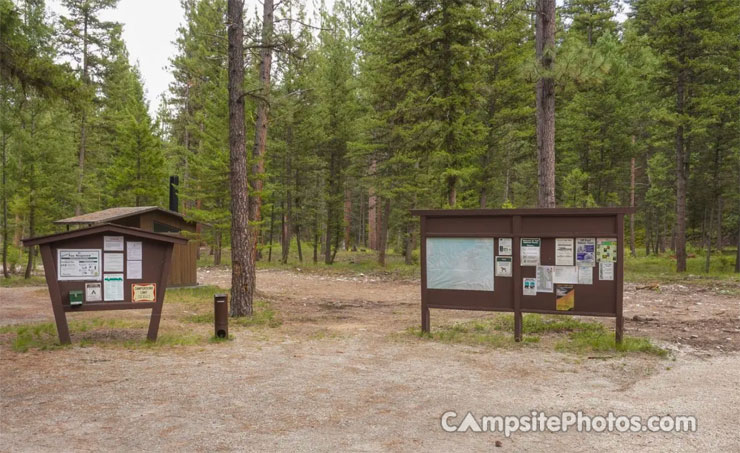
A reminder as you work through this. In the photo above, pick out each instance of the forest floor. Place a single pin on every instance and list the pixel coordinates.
(336, 363)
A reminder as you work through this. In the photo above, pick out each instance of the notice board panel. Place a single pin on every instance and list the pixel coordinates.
(587, 296)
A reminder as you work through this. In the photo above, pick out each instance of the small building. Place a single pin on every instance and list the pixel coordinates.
(183, 270)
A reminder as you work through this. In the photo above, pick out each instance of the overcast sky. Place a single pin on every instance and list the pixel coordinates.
(149, 30)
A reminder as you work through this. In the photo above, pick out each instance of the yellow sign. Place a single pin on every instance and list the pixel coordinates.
(565, 297)
(144, 292)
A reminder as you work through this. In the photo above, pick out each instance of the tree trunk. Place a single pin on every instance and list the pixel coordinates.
(83, 120)
(6, 272)
(242, 255)
(217, 249)
(708, 239)
(632, 205)
(410, 242)
(383, 239)
(31, 225)
(372, 211)
(272, 227)
(263, 106)
(545, 102)
(347, 218)
(682, 175)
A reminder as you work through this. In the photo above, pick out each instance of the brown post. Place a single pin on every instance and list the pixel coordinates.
(56, 296)
(620, 277)
(425, 322)
(516, 226)
(157, 309)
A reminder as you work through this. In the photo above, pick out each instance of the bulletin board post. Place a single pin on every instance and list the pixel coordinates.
(591, 284)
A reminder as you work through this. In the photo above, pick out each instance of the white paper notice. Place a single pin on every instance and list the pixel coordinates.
(529, 252)
(566, 274)
(504, 266)
(133, 270)
(544, 279)
(93, 292)
(585, 275)
(133, 250)
(79, 264)
(112, 287)
(504, 246)
(586, 251)
(606, 270)
(530, 287)
(563, 252)
(113, 243)
(112, 262)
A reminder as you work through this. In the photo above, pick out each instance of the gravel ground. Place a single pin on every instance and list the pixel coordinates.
(359, 387)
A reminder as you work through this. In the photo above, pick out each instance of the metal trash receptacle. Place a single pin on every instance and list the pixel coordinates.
(221, 315)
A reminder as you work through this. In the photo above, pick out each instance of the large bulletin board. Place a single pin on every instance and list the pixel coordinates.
(551, 261)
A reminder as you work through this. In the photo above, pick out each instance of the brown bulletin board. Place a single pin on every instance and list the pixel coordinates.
(601, 298)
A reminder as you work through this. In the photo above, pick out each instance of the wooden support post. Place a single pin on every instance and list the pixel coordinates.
(620, 278)
(60, 317)
(516, 227)
(425, 322)
(157, 310)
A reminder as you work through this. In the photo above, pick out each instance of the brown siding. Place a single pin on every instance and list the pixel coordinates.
(184, 266)
(183, 270)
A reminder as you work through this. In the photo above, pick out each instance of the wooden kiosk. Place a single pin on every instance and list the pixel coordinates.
(106, 267)
(550, 261)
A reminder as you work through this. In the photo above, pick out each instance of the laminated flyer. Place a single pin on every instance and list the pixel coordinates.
(112, 287)
(504, 246)
(586, 251)
(565, 297)
(544, 279)
(529, 252)
(606, 270)
(564, 252)
(530, 287)
(504, 266)
(606, 249)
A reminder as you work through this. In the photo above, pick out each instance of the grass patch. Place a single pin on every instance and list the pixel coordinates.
(602, 341)
(263, 315)
(199, 296)
(582, 336)
(43, 336)
(17, 281)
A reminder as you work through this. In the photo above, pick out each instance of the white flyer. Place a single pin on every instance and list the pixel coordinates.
(134, 250)
(586, 251)
(112, 287)
(606, 270)
(544, 279)
(563, 252)
(504, 246)
(585, 275)
(93, 292)
(78, 264)
(504, 266)
(113, 243)
(529, 252)
(112, 262)
(133, 270)
(565, 274)
(530, 287)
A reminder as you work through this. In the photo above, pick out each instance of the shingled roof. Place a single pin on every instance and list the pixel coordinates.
(108, 215)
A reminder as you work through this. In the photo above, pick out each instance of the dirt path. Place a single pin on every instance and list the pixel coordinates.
(359, 387)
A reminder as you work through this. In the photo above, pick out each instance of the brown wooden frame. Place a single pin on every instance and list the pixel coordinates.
(546, 224)
(47, 243)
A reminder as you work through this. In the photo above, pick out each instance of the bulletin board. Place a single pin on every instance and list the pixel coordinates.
(551, 261)
(106, 267)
